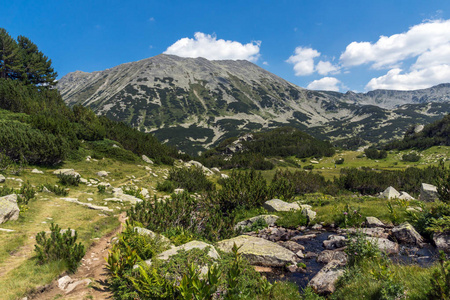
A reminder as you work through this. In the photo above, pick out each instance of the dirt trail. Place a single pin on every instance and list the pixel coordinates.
(93, 267)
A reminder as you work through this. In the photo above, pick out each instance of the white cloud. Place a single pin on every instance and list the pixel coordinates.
(325, 67)
(391, 51)
(209, 47)
(395, 79)
(326, 84)
(265, 63)
(303, 60)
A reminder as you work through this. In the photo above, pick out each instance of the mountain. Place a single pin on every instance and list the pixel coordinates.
(195, 103)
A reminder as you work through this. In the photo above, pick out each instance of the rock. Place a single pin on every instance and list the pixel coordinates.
(428, 193)
(189, 246)
(373, 222)
(385, 245)
(72, 232)
(414, 209)
(442, 241)
(406, 233)
(118, 193)
(115, 146)
(304, 237)
(310, 214)
(70, 172)
(224, 176)
(9, 210)
(83, 180)
(314, 162)
(405, 196)
(390, 193)
(259, 251)
(334, 241)
(215, 170)
(63, 282)
(2, 178)
(102, 174)
(419, 128)
(178, 191)
(293, 246)
(36, 171)
(375, 232)
(329, 255)
(280, 205)
(317, 227)
(147, 160)
(325, 280)
(270, 220)
(147, 232)
(300, 254)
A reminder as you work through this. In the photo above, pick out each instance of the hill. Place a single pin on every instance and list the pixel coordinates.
(194, 103)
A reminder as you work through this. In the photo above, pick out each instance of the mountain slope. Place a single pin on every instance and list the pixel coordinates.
(194, 103)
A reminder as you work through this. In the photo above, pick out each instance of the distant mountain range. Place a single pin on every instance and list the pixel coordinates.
(194, 103)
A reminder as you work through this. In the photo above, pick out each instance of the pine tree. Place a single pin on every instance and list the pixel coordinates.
(37, 68)
(10, 66)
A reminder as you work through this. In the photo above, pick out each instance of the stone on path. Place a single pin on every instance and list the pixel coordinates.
(324, 281)
(259, 251)
(9, 210)
(280, 205)
(428, 193)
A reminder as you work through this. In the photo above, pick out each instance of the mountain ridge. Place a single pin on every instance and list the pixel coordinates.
(194, 103)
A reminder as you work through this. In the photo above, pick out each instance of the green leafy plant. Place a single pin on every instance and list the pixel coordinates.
(359, 248)
(101, 189)
(391, 288)
(59, 245)
(67, 179)
(440, 281)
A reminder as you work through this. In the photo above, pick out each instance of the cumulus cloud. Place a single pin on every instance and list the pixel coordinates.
(325, 84)
(209, 47)
(392, 50)
(303, 60)
(396, 79)
(325, 67)
(428, 43)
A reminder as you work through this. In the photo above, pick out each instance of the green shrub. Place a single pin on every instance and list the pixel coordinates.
(165, 186)
(134, 191)
(101, 189)
(58, 190)
(59, 246)
(411, 157)
(292, 219)
(26, 193)
(259, 224)
(67, 179)
(440, 281)
(359, 248)
(191, 179)
(308, 167)
(373, 153)
(339, 161)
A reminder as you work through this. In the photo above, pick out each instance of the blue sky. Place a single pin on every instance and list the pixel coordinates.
(332, 44)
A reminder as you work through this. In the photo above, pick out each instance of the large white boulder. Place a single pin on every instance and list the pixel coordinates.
(280, 205)
(428, 193)
(259, 251)
(390, 193)
(9, 210)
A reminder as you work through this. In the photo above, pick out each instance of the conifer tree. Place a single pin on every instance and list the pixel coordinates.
(10, 65)
(37, 68)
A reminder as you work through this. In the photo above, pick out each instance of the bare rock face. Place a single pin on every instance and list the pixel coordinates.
(324, 281)
(9, 210)
(428, 193)
(407, 234)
